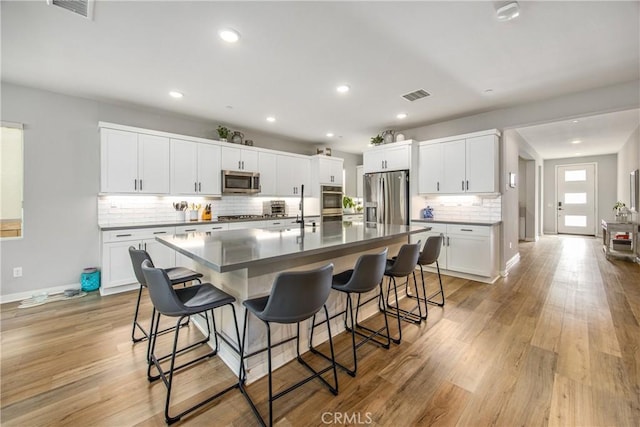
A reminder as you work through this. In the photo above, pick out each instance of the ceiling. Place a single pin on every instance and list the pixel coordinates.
(292, 55)
(597, 134)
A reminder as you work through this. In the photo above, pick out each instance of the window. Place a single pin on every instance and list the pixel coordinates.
(575, 221)
(575, 198)
(577, 175)
(11, 181)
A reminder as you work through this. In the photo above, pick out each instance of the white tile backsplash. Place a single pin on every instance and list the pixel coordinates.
(125, 210)
(465, 208)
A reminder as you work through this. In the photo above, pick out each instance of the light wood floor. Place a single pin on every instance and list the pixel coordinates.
(557, 342)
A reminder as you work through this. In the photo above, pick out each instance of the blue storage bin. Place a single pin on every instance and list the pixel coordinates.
(90, 279)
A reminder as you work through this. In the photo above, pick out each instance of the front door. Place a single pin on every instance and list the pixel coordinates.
(576, 204)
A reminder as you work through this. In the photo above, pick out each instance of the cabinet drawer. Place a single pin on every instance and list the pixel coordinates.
(435, 228)
(198, 228)
(471, 230)
(135, 234)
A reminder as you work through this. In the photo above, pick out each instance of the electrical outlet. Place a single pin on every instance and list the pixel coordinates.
(17, 272)
(510, 245)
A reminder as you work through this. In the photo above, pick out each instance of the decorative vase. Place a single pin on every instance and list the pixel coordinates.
(387, 136)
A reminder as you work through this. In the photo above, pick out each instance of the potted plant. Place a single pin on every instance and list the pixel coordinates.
(377, 140)
(348, 204)
(621, 211)
(223, 132)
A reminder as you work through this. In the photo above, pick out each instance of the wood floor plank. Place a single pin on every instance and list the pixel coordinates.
(556, 342)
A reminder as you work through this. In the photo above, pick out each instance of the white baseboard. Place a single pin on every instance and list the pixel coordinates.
(513, 261)
(19, 296)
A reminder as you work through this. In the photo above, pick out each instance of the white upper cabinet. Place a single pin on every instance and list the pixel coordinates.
(293, 172)
(462, 164)
(329, 170)
(268, 168)
(133, 163)
(388, 157)
(195, 168)
(239, 159)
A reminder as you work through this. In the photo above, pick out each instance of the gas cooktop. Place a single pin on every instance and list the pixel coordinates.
(240, 217)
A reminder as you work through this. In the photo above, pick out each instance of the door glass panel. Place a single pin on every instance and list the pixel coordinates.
(575, 221)
(575, 198)
(575, 175)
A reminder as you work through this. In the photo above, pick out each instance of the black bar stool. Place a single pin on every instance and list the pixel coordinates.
(177, 275)
(295, 296)
(182, 303)
(402, 265)
(365, 277)
(428, 256)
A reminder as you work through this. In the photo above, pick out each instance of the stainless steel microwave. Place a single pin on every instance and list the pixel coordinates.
(237, 182)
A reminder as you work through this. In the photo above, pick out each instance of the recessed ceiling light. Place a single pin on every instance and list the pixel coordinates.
(577, 141)
(229, 35)
(508, 12)
(402, 116)
(271, 119)
(329, 135)
(576, 121)
(343, 88)
(578, 154)
(176, 94)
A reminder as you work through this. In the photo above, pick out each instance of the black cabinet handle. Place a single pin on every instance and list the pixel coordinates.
(467, 185)
(462, 185)
(190, 229)
(200, 187)
(123, 235)
(140, 185)
(438, 186)
(465, 229)
(195, 187)
(135, 184)
(159, 232)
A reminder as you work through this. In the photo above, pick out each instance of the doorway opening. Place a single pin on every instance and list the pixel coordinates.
(576, 199)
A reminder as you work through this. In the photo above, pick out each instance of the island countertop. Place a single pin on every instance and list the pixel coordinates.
(237, 249)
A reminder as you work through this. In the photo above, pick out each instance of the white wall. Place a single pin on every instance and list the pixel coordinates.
(606, 188)
(61, 180)
(628, 161)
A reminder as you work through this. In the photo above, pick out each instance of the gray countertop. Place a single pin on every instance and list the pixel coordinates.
(237, 249)
(179, 223)
(457, 221)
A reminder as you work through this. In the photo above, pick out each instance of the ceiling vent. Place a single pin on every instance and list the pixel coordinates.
(81, 7)
(418, 94)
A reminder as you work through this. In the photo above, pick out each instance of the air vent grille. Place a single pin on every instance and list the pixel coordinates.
(418, 94)
(81, 7)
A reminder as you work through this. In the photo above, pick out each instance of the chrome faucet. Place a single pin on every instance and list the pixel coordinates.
(300, 219)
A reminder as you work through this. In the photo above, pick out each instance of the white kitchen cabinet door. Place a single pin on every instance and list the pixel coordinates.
(293, 172)
(267, 166)
(430, 177)
(330, 171)
(184, 167)
(359, 181)
(470, 250)
(453, 168)
(398, 158)
(239, 159)
(153, 164)
(119, 161)
(209, 172)
(116, 264)
(482, 164)
(161, 255)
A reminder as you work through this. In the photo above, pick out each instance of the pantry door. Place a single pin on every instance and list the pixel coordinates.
(576, 198)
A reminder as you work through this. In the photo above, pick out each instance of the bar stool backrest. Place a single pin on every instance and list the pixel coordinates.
(431, 250)
(406, 260)
(162, 295)
(138, 256)
(298, 295)
(368, 272)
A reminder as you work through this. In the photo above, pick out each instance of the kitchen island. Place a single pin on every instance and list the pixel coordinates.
(244, 263)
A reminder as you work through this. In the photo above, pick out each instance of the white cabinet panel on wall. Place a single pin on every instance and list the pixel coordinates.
(329, 170)
(430, 173)
(482, 164)
(268, 168)
(453, 161)
(195, 168)
(239, 159)
(389, 157)
(470, 249)
(293, 172)
(133, 163)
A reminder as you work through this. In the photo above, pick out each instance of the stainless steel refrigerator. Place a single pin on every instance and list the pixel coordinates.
(386, 197)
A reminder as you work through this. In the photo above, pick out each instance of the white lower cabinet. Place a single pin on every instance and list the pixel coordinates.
(116, 262)
(468, 249)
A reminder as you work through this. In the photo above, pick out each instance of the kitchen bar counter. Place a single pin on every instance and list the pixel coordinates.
(244, 263)
(458, 221)
(237, 249)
